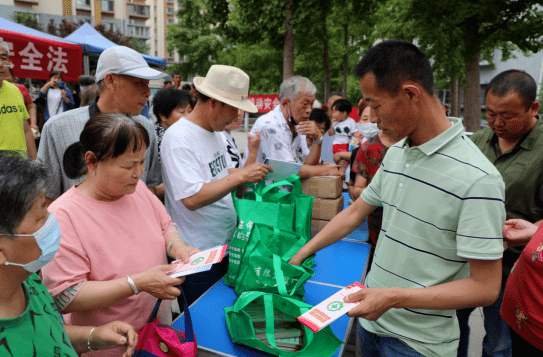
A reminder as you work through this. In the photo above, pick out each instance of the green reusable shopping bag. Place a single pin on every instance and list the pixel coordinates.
(276, 207)
(240, 325)
(236, 249)
(264, 263)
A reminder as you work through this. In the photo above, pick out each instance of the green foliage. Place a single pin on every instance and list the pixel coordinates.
(27, 19)
(195, 38)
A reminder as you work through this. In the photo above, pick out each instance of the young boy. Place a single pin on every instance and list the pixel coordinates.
(322, 120)
(343, 128)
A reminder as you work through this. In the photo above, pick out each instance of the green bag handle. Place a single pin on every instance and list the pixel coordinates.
(250, 185)
(270, 320)
(280, 278)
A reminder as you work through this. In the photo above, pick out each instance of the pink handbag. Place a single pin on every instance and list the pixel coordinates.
(156, 339)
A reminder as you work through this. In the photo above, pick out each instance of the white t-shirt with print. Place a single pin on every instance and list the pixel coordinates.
(233, 157)
(192, 156)
(344, 130)
(276, 139)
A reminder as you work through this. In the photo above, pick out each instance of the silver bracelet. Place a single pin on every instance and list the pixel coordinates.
(170, 245)
(88, 340)
(132, 285)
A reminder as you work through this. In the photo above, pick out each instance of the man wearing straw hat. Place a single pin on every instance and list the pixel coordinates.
(196, 178)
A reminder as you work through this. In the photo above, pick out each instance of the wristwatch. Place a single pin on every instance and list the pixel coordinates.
(318, 141)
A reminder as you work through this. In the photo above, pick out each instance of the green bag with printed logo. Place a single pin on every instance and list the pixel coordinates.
(244, 325)
(276, 206)
(263, 265)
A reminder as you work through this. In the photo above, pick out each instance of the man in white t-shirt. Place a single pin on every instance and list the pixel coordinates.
(283, 131)
(197, 180)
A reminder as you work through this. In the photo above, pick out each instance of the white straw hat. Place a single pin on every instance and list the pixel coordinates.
(125, 61)
(228, 85)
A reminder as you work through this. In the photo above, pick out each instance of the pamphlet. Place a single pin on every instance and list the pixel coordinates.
(330, 309)
(281, 169)
(199, 262)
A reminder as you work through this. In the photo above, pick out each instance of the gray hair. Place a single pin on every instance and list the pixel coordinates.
(4, 46)
(335, 94)
(21, 183)
(291, 88)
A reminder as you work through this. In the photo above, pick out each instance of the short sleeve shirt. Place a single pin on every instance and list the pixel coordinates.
(39, 331)
(233, 157)
(192, 157)
(276, 141)
(26, 96)
(344, 130)
(443, 204)
(13, 113)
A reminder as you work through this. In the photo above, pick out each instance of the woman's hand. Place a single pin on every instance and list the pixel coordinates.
(115, 334)
(155, 282)
(517, 232)
(180, 250)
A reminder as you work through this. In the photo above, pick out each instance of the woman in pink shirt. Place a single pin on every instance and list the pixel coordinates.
(115, 232)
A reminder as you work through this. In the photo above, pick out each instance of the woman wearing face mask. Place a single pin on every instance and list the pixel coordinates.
(30, 324)
(366, 164)
(115, 233)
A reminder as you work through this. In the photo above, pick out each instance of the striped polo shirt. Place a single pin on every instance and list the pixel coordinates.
(443, 203)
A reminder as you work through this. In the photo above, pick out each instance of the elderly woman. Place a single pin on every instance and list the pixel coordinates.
(30, 324)
(112, 258)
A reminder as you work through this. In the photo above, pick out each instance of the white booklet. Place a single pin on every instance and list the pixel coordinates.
(199, 262)
(281, 169)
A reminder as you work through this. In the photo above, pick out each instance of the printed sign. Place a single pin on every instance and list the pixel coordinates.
(265, 102)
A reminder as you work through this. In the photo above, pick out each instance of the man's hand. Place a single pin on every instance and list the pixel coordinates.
(373, 302)
(517, 232)
(254, 142)
(115, 334)
(310, 129)
(254, 172)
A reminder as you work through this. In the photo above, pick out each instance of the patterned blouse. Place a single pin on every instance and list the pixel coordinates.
(159, 135)
(366, 163)
(522, 308)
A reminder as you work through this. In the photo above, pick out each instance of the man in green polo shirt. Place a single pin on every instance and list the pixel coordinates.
(440, 245)
(513, 142)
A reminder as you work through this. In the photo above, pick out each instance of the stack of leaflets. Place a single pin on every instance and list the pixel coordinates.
(199, 262)
(288, 331)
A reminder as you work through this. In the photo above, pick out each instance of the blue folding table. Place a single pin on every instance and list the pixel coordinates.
(336, 267)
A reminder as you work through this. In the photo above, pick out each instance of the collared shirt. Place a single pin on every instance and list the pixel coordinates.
(443, 204)
(522, 170)
(276, 140)
(62, 130)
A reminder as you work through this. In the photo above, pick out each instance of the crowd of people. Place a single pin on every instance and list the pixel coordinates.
(453, 220)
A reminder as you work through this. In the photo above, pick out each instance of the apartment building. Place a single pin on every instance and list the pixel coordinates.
(144, 19)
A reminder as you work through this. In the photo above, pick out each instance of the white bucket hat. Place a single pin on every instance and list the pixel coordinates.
(125, 61)
(229, 85)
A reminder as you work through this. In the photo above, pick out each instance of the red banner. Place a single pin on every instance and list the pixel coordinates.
(35, 57)
(265, 102)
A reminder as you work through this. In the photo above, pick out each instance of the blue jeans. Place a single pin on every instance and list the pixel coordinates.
(372, 345)
(497, 341)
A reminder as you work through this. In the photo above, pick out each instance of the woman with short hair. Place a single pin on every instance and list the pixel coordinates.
(30, 324)
(112, 258)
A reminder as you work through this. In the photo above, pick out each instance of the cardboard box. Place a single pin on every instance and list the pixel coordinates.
(327, 208)
(317, 225)
(323, 186)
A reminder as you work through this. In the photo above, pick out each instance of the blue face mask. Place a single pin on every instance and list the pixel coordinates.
(48, 239)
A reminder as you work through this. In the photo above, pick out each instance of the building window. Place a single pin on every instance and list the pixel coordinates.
(84, 3)
(171, 21)
(140, 10)
(108, 6)
(170, 10)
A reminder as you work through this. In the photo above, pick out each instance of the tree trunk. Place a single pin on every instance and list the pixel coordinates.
(472, 98)
(459, 99)
(345, 63)
(288, 50)
(326, 72)
(455, 110)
